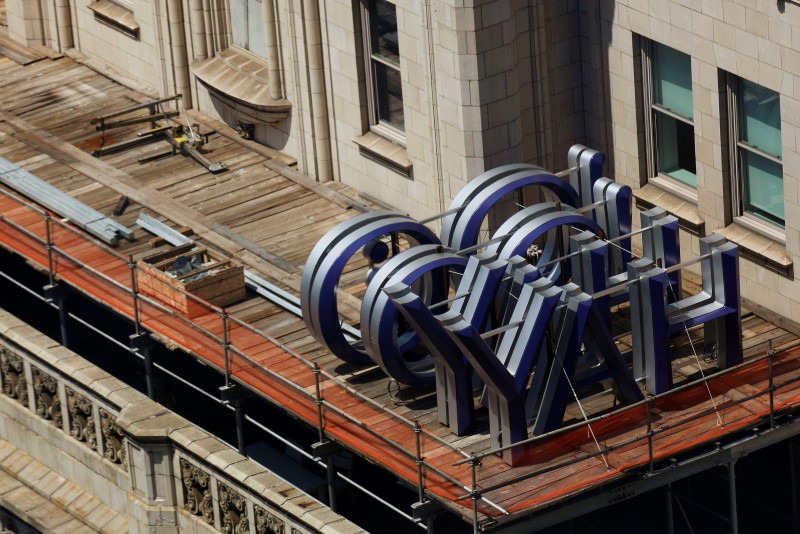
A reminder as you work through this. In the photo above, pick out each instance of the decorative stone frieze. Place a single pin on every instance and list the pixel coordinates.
(232, 511)
(267, 523)
(45, 396)
(12, 371)
(196, 491)
(81, 418)
(113, 438)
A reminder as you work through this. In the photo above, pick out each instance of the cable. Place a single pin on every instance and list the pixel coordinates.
(685, 328)
(575, 394)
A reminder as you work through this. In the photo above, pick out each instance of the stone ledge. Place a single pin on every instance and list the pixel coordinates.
(49, 502)
(239, 78)
(688, 215)
(385, 152)
(141, 420)
(115, 16)
(759, 249)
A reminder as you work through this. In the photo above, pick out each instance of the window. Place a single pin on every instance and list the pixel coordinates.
(383, 65)
(247, 25)
(756, 164)
(669, 118)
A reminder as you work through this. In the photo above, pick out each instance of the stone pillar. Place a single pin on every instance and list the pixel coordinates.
(153, 497)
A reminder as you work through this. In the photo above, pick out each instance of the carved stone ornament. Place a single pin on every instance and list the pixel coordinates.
(13, 374)
(232, 511)
(196, 491)
(113, 439)
(45, 396)
(81, 418)
(267, 523)
(296, 531)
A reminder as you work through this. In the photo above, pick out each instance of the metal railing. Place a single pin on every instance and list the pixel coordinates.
(238, 350)
(234, 346)
(652, 432)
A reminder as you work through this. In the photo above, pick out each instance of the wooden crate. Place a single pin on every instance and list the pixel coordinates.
(219, 281)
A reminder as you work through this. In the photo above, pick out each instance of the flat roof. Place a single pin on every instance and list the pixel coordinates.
(266, 215)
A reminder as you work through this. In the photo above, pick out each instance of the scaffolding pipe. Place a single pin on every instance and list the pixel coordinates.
(732, 496)
(670, 513)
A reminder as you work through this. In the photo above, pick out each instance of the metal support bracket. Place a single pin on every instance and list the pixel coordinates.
(233, 393)
(421, 511)
(54, 292)
(141, 342)
(325, 449)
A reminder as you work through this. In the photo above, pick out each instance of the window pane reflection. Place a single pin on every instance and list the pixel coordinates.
(390, 95)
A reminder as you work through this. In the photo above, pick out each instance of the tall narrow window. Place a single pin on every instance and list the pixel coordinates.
(758, 168)
(247, 25)
(670, 122)
(383, 58)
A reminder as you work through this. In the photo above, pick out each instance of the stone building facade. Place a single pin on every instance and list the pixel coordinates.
(692, 101)
(702, 113)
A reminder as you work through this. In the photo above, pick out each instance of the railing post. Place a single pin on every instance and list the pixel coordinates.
(647, 404)
(324, 449)
(226, 347)
(475, 494)
(49, 247)
(318, 402)
(770, 354)
(134, 295)
(734, 512)
(418, 438)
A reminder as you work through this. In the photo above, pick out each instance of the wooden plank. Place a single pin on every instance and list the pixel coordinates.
(18, 52)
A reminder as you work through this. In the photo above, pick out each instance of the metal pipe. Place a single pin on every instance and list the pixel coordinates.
(318, 401)
(317, 93)
(793, 489)
(732, 497)
(226, 347)
(649, 433)
(62, 319)
(134, 296)
(49, 247)
(770, 354)
(420, 485)
(148, 372)
(474, 493)
(239, 411)
(670, 513)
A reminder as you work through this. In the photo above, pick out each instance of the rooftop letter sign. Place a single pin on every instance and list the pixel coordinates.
(524, 315)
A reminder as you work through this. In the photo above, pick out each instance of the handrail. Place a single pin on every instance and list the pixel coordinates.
(475, 492)
(650, 433)
(139, 299)
(632, 406)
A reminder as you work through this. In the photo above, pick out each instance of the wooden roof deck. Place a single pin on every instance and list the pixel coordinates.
(270, 220)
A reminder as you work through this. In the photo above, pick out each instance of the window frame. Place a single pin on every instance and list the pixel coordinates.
(650, 111)
(736, 149)
(127, 4)
(376, 124)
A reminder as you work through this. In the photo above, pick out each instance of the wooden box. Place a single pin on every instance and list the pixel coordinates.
(207, 277)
